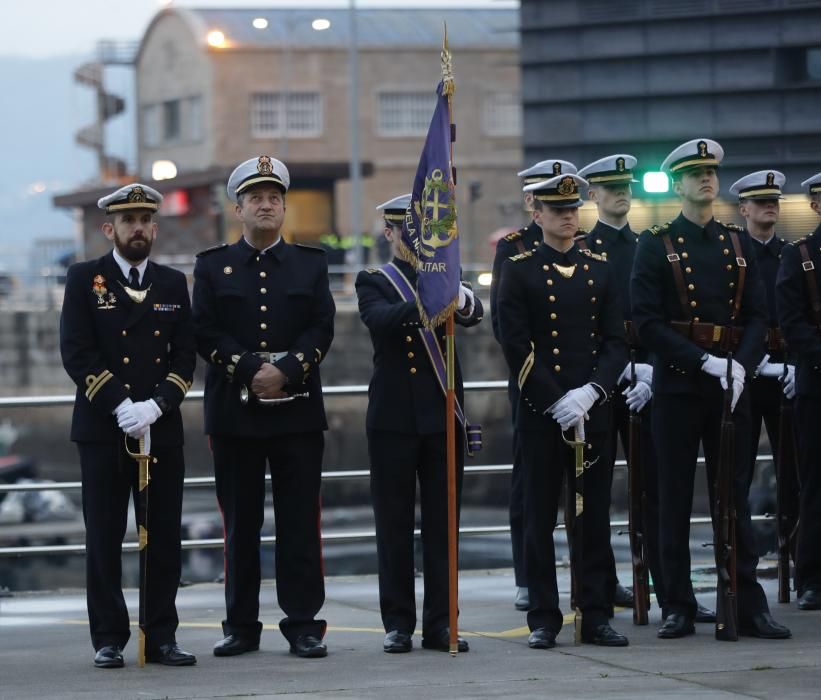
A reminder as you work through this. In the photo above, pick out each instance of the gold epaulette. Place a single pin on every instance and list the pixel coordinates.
(372, 270)
(515, 236)
(219, 246)
(799, 241)
(663, 228)
(521, 256)
(732, 227)
(590, 254)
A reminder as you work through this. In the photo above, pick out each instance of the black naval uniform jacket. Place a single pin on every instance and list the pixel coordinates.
(768, 256)
(710, 272)
(404, 395)
(795, 313)
(560, 333)
(114, 348)
(247, 302)
(512, 244)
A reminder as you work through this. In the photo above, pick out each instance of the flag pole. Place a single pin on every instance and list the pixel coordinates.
(449, 87)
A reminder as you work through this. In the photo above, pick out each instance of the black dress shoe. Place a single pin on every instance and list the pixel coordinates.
(605, 636)
(522, 600)
(170, 655)
(623, 596)
(233, 645)
(307, 646)
(541, 638)
(440, 641)
(397, 642)
(810, 599)
(676, 625)
(762, 625)
(704, 614)
(109, 657)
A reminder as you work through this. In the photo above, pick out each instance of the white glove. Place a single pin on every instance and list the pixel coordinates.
(769, 369)
(717, 367)
(644, 373)
(465, 297)
(638, 396)
(121, 408)
(738, 387)
(138, 417)
(789, 382)
(572, 408)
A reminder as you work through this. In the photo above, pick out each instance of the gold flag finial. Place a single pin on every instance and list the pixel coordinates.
(449, 87)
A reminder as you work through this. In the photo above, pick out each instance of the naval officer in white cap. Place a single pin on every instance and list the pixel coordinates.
(697, 295)
(264, 319)
(127, 341)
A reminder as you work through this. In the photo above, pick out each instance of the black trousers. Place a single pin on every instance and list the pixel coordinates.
(808, 550)
(649, 470)
(295, 462)
(109, 475)
(397, 461)
(765, 403)
(547, 460)
(680, 423)
(516, 495)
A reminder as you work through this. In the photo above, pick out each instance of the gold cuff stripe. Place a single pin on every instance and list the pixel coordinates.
(179, 382)
(530, 360)
(97, 383)
(694, 162)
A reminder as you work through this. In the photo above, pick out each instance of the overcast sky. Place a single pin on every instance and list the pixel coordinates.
(56, 27)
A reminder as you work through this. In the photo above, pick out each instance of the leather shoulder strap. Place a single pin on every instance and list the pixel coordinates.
(520, 245)
(582, 243)
(675, 263)
(741, 262)
(812, 288)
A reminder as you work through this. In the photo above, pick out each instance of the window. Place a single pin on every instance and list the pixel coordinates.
(192, 118)
(151, 125)
(171, 120)
(303, 118)
(814, 63)
(502, 115)
(405, 113)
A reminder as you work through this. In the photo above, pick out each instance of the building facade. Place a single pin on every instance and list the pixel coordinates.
(642, 76)
(215, 87)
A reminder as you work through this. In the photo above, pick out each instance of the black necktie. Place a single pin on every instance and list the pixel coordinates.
(134, 278)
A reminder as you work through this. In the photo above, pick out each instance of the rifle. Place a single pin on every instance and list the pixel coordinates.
(142, 457)
(786, 490)
(636, 498)
(574, 512)
(724, 530)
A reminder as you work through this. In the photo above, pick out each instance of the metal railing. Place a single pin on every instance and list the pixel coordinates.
(336, 475)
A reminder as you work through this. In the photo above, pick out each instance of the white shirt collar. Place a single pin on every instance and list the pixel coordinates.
(126, 266)
(265, 250)
(760, 241)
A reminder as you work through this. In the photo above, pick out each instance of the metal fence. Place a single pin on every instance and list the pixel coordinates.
(333, 475)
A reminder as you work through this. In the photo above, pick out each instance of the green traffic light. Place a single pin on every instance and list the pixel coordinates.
(655, 182)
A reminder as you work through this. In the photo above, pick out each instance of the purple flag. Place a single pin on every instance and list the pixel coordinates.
(430, 231)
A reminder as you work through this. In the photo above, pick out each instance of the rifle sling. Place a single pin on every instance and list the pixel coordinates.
(812, 287)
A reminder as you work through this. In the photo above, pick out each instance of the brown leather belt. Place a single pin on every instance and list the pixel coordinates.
(709, 335)
(775, 341)
(631, 335)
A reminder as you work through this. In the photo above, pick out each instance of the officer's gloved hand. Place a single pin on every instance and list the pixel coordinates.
(638, 396)
(121, 408)
(572, 408)
(769, 369)
(789, 382)
(644, 373)
(139, 417)
(738, 387)
(717, 367)
(465, 298)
